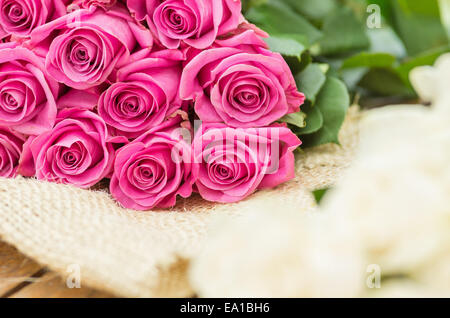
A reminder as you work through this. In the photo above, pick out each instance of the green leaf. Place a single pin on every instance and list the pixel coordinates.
(419, 25)
(343, 32)
(296, 119)
(296, 64)
(313, 120)
(333, 102)
(386, 82)
(366, 59)
(315, 10)
(353, 76)
(319, 194)
(278, 18)
(310, 81)
(305, 60)
(247, 4)
(288, 45)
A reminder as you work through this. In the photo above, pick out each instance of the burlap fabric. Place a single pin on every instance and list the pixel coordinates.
(136, 254)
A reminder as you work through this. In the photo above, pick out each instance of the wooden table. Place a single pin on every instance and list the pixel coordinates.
(20, 277)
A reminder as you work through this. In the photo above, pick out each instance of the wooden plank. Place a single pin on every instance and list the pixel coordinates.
(15, 269)
(52, 286)
(22, 277)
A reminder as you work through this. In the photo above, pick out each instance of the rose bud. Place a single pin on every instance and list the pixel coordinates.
(151, 171)
(230, 164)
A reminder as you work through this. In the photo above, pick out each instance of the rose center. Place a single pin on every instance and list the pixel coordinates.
(82, 54)
(246, 98)
(79, 55)
(11, 103)
(147, 174)
(129, 105)
(221, 173)
(71, 157)
(176, 20)
(15, 13)
(248, 95)
(9, 100)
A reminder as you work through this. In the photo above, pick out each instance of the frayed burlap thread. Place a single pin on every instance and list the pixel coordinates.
(142, 254)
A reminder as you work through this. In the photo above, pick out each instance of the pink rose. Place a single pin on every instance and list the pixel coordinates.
(20, 17)
(231, 164)
(154, 169)
(239, 82)
(196, 23)
(27, 94)
(145, 94)
(11, 144)
(88, 45)
(76, 151)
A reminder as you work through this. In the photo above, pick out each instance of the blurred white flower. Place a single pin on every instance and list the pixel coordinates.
(395, 198)
(391, 209)
(282, 254)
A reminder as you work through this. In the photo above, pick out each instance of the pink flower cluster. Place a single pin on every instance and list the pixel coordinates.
(95, 89)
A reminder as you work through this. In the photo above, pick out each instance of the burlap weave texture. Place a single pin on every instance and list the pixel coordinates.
(142, 254)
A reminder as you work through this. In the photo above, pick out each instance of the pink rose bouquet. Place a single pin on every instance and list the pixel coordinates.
(94, 90)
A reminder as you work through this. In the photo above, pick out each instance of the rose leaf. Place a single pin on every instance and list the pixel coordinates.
(333, 102)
